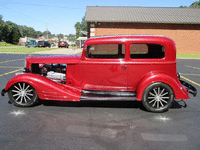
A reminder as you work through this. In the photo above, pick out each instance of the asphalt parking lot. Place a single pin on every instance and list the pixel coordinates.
(99, 125)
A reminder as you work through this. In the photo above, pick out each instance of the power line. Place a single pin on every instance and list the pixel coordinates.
(47, 6)
(19, 14)
(25, 16)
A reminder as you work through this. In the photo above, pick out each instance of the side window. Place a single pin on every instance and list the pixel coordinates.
(107, 51)
(142, 51)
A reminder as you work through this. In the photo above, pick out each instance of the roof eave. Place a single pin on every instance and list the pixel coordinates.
(167, 22)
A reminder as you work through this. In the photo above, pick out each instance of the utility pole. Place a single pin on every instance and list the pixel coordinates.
(47, 32)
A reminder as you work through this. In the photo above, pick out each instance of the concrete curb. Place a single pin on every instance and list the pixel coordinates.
(189, 58)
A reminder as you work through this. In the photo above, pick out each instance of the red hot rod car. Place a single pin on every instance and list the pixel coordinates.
(128, 68)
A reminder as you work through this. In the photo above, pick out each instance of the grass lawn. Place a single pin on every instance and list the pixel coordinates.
(187, 56)
(4, 44)
(73, 47)
(25, 49)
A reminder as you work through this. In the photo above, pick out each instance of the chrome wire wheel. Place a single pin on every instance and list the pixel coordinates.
(22, 94)
(158, 97)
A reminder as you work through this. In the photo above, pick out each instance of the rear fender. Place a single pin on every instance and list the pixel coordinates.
(46, 88)
(179, 91)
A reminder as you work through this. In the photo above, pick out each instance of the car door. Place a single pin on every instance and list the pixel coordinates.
(104, 68)
(145, 58)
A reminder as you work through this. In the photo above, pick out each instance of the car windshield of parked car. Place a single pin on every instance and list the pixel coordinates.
(107, 51)
(40, 42)
(140, 51)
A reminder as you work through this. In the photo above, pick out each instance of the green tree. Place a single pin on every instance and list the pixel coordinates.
(14, 36)
(183, 6)
(1, 29)
(60, 36)
(195, 5)
(39, 34)
(83, 24)
(1, 19)
(5, 32)
(71, 37)
(45, 34)
(80, 27)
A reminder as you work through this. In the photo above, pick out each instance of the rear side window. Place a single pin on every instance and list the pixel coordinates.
(110, 51)
(139, 51)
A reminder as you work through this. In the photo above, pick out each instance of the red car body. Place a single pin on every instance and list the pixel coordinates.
(110, 77)
(63, 44)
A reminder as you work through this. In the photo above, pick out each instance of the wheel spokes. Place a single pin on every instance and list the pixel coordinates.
(20, 86)
(151, 101)
(164, 94)
(18, 97)
(29, 94)
(161, 103)
(15, 91)
(158, 97)
(18, 94)
(157, 104)
(27, 97)
(155, 91)
(152, 94)
(27, 87)
(17, 88)
(23, 93)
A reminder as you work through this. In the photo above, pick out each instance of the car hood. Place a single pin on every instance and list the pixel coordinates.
(61, 59)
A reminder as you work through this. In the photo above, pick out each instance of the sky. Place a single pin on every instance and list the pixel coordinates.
(60, 16)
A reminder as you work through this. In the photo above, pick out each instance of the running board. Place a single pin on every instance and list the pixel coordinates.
(108, 93)
(89, 95)
(88, 98)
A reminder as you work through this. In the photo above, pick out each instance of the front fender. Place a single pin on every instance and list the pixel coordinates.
(179, 91)
(46, 88)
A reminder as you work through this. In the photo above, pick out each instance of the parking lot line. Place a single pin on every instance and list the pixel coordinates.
(192, 67)
(10, 72)
(188, 74)
(190, 80)
(10, 60)
(9, 67)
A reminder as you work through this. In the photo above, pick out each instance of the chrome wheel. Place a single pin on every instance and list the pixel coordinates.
(22, 94)
(158, 97)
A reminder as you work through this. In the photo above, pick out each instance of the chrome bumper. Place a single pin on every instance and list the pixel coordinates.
(191, 89)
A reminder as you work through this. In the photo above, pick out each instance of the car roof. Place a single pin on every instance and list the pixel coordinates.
(129, 38)
(127, 35)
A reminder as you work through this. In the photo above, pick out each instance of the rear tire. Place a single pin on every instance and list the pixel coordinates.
(22, 94)
(158, 97)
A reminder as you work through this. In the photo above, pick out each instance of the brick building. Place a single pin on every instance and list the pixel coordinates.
(180, 24)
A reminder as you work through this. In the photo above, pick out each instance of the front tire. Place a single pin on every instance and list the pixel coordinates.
(158, 97)
(22, 94)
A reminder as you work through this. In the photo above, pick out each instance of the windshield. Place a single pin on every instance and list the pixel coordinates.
(40, 42)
